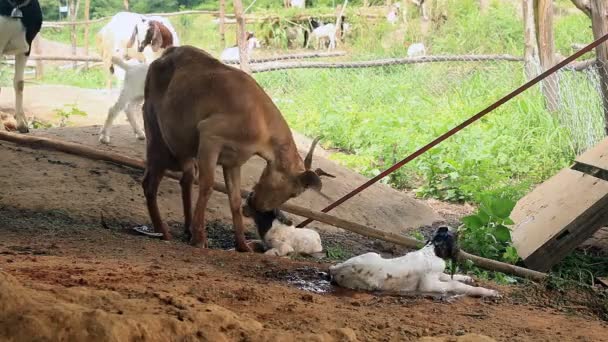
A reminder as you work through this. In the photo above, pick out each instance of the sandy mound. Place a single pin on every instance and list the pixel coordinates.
(78, 314)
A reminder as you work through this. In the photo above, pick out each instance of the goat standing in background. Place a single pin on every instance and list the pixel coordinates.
(20, 22)
(419, 271)
(321, 33)
(198, 108)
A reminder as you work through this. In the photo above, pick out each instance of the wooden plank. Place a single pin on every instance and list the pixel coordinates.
(596, 156)
(557, 216)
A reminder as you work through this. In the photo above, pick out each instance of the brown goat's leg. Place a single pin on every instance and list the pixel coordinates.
(186, 185)
(207, 160)
(152, 178)
(232, 177)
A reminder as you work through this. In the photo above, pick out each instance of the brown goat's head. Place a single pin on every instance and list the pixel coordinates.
(275, 186)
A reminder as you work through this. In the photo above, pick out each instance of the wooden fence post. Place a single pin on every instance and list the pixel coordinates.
(241, 36)
(599, 22)
(531, 60)
(87, 10)
(73, 13)
(339, 15)
(38, 51)
(126, 4)
(543, 15)
(222, 23)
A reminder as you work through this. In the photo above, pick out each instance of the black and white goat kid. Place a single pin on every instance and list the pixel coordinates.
(421, 271)
(20, 22)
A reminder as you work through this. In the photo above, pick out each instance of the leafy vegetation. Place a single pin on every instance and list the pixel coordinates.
(486, 233)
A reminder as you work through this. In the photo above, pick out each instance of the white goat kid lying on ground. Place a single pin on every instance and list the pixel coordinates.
(232, 53)
(130, 98)
(280, 236)
(419, 271)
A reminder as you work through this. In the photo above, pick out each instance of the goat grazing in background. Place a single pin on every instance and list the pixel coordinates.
(232, 53)
(419, 271)
(198, 108)
(20, 22)
(280, 236)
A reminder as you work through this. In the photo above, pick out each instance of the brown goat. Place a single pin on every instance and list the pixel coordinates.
(197, 108)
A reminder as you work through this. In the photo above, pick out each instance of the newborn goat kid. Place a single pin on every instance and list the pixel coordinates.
(280, 236)
(420, 271)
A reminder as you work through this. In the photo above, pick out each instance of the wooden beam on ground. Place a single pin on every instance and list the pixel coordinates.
(95, 154)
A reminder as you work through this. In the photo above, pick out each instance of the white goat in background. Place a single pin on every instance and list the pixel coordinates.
(419, 271)
(323, 32)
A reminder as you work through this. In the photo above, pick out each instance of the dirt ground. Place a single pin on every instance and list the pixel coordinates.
(70, 268)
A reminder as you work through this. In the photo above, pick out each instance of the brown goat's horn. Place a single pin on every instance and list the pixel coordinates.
(320, 173)
(308, 159)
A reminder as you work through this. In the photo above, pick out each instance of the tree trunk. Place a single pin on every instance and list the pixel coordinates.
(241, 35)
(583, 5)
(599, 21)
(126, 4)
(531, 60)
(87, 10)
(222, 23)
(543, 14)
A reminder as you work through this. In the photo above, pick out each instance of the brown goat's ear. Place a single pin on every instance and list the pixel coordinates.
(132, 39)
(310, 180)
(157, 38)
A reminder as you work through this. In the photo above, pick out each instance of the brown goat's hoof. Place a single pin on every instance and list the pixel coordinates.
(199, 243)
(244, 248)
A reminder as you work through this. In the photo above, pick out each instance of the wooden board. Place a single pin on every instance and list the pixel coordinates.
(596, 156)
(557, 216)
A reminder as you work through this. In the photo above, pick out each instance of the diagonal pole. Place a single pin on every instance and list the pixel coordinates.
(463, 125)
